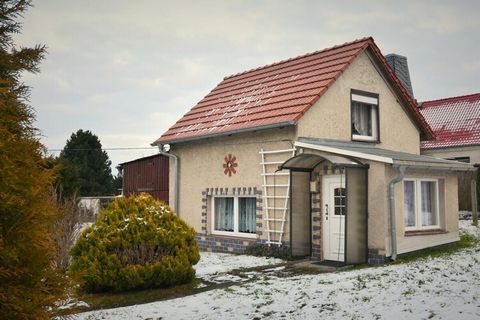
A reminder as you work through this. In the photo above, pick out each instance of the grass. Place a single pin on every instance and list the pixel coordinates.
(466, 241)
(114, 300)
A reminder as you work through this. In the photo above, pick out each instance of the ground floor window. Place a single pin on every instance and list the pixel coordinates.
(421, 204)
(234, 215)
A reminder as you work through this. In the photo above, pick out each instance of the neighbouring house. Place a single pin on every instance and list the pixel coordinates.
(148, 174)
(319, 153)
(456, 124)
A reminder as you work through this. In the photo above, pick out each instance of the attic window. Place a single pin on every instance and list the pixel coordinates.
(364, 115)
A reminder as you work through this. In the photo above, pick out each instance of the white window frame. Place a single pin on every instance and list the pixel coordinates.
(235, 232)
(418, 205)
(373, 102)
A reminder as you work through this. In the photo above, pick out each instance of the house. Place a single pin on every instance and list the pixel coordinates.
(319, 153)
(148, 174)
(456, 123)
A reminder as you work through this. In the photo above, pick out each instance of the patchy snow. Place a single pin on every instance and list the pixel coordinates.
(212, 263)
(440, 288)
(71, 303)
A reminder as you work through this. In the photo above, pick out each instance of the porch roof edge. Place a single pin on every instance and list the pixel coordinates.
(344, 152)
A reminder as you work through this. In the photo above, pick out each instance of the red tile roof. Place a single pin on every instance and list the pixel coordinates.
(455, 121)
(276, 95)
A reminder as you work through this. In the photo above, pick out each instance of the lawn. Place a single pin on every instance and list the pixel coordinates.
(442, 286)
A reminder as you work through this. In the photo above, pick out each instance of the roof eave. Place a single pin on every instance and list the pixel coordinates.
(224, 133)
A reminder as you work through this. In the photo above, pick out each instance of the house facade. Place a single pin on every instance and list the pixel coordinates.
(319, 153)
(456, 123)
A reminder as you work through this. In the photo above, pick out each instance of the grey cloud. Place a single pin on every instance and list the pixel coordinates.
(123, 68)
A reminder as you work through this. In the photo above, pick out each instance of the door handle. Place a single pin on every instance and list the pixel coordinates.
(326, 211)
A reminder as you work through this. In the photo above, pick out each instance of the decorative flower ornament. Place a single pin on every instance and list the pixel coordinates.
(229, 165)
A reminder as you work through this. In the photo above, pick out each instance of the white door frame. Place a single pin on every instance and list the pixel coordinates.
(333, 226)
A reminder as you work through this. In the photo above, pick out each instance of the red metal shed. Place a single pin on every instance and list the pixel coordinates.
(148, 174)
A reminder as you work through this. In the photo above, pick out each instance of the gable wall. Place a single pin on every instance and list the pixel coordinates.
(329, 117)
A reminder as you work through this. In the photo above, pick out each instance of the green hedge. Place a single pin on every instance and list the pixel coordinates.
(136, 243)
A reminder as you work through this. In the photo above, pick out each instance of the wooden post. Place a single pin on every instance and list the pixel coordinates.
(474, 202)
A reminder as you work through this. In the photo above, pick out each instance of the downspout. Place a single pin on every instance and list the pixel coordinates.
(177, 177)
(391, 203)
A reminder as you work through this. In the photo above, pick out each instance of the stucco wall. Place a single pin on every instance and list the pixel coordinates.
(377, 205)
(329, 117)
(473, 152)
(448, 205)
(201, 167)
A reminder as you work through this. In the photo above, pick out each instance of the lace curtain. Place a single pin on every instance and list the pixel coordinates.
(409, 203)
(224, 214)
(247, 215)
(428, 216)
(362, 119)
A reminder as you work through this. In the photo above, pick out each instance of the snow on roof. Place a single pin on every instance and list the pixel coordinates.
(455, 121)
(276, 95)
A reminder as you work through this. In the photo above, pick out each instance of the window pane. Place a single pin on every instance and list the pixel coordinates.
(339, 201)
(362, 119)
(409, 203)
(247, 215)
(428, 200)
(224, 214)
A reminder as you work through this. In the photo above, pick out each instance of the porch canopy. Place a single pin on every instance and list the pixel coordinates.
(307, 161)
(354, 247)
(354, 151)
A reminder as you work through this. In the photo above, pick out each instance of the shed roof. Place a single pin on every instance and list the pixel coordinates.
(279, 94)
(141, 159)
(455, 121)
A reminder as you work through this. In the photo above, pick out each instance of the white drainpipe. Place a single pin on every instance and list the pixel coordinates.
(391, 203)
(177, 177)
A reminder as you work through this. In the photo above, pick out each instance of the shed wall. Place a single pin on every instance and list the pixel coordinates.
(149, 175)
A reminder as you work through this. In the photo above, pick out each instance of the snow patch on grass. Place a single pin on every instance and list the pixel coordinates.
(212, 263)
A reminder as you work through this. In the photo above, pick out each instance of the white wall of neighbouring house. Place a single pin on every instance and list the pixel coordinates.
(473, 152)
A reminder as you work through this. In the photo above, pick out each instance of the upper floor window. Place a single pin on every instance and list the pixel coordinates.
(364, 114)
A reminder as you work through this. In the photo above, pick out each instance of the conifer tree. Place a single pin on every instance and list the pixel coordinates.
(83, 151)
(29, 283)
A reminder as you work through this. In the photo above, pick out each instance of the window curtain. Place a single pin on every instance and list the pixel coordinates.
(224, 214)
(362, 119)
(409, 203)
(247, 215)
(428, 212)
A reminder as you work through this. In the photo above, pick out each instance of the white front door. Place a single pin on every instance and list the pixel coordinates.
(334, 207)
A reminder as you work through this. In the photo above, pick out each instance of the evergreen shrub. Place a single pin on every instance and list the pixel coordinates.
(264, 250)
(136, 243)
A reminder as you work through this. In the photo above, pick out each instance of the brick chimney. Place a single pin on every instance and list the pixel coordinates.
(399, 64)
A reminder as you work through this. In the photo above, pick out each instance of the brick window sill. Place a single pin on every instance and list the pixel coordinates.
(424, 232)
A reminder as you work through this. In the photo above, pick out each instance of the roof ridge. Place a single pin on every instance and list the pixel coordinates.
(364, 39)
(452, 98)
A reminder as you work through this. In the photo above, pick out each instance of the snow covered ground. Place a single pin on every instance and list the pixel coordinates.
(441, 288)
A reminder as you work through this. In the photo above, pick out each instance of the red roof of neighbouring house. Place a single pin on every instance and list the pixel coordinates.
(455, 121)
(278, 95)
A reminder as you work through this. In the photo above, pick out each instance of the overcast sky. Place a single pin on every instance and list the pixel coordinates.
(127, 70)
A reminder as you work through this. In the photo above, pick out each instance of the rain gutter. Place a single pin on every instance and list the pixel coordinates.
(177, 177)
